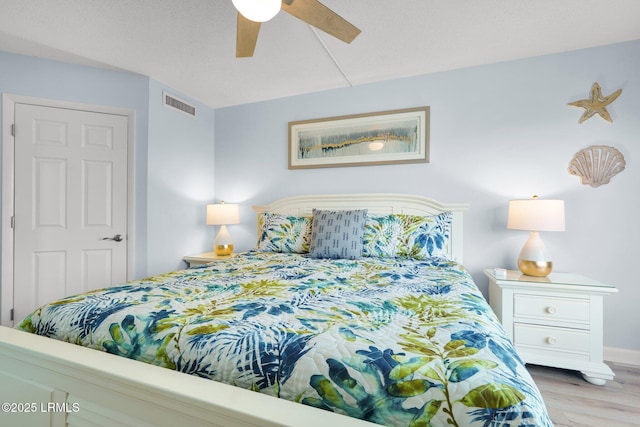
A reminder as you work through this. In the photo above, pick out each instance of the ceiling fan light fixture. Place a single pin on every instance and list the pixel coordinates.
(258, 10)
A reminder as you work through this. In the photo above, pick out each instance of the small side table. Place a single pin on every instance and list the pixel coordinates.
(203, 258)
(555, 320)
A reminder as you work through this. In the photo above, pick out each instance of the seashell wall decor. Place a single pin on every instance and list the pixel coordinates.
(596, 165)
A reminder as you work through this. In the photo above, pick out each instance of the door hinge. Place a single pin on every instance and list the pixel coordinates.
(13, 129)
(11, 315)
(13, 222)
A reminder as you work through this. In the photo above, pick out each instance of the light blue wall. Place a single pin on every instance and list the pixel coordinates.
(41, 78)
(180, 181)
(173, 152)
(498, 132)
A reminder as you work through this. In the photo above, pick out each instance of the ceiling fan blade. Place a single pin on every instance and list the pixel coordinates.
(320, 16)
(246, 36)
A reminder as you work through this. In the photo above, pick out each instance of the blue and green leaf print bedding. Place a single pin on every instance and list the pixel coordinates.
(398, 342)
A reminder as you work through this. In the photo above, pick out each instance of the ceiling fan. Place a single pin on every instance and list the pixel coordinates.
(251, 14)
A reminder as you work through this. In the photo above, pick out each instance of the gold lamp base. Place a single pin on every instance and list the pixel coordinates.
(223, 246)
(223, 250)
(535, 268)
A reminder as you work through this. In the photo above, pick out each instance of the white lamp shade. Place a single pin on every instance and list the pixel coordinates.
(536, 215)
(258, 10)
(222, 214)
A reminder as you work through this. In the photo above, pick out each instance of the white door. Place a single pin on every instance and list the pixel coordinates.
(70, 203)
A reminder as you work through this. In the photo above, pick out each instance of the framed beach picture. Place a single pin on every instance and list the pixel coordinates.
(387, 137)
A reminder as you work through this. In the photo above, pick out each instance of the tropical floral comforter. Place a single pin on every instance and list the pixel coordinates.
(395, 342)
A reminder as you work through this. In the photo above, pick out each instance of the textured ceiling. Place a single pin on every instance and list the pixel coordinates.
(189, 45)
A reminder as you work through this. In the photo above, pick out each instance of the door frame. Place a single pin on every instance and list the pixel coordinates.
(8, 188)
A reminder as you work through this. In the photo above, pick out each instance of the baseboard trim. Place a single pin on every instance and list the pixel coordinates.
(622, 356)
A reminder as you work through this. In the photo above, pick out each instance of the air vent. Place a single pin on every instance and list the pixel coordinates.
(178, 104)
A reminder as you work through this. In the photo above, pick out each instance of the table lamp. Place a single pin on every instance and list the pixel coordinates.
(223, 214)
(535, 215)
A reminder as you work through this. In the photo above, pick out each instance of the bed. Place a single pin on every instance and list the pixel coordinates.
(385, 326)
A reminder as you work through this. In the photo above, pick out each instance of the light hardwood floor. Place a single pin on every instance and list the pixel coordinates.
(571, 401)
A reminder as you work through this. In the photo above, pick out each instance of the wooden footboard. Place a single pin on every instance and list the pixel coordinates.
(44, 382)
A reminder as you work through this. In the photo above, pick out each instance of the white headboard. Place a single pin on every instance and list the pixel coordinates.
(377, 204)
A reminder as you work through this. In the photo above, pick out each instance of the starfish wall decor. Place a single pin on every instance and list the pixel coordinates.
(596, 104)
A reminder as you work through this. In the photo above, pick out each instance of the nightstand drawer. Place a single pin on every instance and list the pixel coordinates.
(543, 339)
(551, 310)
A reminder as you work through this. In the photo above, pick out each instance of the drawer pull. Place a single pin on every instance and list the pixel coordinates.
(551, 310)
(551, 340)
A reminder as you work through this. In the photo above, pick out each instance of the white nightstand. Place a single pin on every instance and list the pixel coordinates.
(203, 258)
(554, 321)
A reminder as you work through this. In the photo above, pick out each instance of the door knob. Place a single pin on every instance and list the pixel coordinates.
(117, 238)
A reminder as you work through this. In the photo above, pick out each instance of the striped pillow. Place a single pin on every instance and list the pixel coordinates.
(337, 234)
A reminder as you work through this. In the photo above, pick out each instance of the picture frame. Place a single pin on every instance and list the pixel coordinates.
(381, 138)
